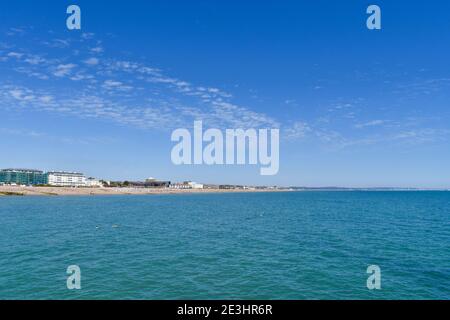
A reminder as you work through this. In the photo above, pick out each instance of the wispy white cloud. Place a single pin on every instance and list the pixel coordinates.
(97, 49)
(63, 70)
(297, 130)
(15, 32)
(21, 132)
(87, 82)
(87, 35)
(60, 139)
(34, 60)
(16, 55)
(116, 85)
(422, 135)
(372, 123)
(57, 43)
(91, 61)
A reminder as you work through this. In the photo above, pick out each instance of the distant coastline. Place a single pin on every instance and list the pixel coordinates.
(7, 190)
(68, 191)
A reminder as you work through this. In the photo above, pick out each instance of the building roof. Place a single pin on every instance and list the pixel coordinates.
(21, 170)
(66, 173)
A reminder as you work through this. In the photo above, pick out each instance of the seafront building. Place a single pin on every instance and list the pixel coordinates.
(195, 185)
(66, 179)
(187, 185)
(30, 177)
(22, 177)
(92, 182)
(148, 183)
(152, 182)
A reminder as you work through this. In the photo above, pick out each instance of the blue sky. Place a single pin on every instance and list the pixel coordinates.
(354, 107)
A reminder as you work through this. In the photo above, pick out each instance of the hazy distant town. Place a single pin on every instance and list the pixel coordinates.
(14, 181)
(39, 178)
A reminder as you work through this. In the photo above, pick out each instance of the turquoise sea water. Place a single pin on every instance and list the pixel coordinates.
(297, 245)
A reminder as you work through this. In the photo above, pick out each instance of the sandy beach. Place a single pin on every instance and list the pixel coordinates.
(66, 191)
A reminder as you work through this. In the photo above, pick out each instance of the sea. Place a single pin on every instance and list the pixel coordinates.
(279, 245)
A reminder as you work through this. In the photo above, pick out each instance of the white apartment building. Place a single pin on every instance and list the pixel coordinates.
(66, 179)
(187, 185)
(195, 185)
(92, 182)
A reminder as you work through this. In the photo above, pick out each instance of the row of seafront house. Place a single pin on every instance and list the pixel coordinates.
(29, 177)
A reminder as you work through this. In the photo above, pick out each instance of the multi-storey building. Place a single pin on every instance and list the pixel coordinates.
(92, 183)
(187, 185)
(66, 179)
(22, 177)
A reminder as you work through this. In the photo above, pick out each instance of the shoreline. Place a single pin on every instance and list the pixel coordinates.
(7, 191)
(67, 191)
